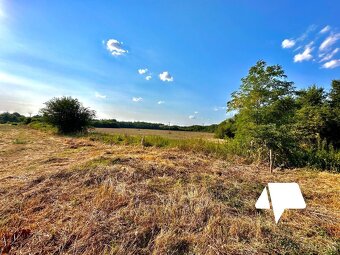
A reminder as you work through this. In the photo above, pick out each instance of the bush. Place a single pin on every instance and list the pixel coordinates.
(67, 114)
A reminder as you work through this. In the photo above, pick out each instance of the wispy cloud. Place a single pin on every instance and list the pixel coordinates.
(193, 116)
(305, 55)
(149, 77)
(325, 29)
(331, 64)
(161, 102)
(98, 95)
(324, 44)
(19, 81)
(287, 43)
(137, 99)
(329, 41)
(142, 71)
(218, 108)
(329, 56)
(165, 76)
(115, 47)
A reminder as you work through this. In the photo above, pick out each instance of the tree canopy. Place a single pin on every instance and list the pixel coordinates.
(67, 114)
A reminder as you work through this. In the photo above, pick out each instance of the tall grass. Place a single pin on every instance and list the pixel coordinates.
(322, 158)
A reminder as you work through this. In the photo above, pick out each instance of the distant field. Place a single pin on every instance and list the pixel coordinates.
(163, 133)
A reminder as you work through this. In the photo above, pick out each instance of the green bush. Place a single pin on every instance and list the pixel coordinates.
(67, 114)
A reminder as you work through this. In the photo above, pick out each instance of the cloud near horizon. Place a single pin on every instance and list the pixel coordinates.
(219, 108)
(98, 95)
(137, 99)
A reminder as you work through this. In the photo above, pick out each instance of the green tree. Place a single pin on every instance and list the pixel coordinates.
(226, 128)
(67, 114)
(265, 108)
(15, 117)
(333, 125)
(311, 117)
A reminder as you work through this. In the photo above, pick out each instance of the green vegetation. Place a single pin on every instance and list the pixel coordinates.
(300, 127)
(112, 123)
(273, 122)
(15, 117)
(67, 114)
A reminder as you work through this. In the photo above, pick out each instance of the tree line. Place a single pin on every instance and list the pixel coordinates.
(15, 117)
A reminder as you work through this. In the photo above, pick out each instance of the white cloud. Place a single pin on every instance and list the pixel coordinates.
(115, 47)
(195, 112)
(219, 108)
(142, 71)
(98, 95)
(326, 57)
(287, 43)
(329, 41)
(137, 99)
(148, 77)
(305, 55)
(325, 29)
(192, 117)
(165, 76)
(332, 64)
(326, 50)
(161, 102)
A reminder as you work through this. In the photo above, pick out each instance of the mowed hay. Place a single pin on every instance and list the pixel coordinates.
(64, 195)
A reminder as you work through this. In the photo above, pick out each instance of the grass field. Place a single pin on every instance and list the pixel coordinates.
(64, 195)
(163, 133)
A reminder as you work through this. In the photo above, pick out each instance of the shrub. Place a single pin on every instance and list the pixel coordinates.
(67, 114)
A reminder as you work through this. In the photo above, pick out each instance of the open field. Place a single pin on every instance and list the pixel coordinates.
(164, 133)
(64, 195)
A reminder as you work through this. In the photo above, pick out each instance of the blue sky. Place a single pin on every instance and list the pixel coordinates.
(195, 53)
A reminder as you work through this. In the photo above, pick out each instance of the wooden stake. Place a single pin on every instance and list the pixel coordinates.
(270, 161)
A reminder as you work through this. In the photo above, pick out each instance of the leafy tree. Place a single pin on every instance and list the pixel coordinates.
(67, 114)
(333, 125)
(265, 108)
(311, 117)
(226, 128)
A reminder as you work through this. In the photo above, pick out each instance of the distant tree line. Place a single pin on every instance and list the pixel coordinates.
(59, 113)
(15, 117)
(112, 123)
(300, 127)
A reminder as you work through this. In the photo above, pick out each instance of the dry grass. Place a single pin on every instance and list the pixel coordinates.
(152, 132)
(76, 196)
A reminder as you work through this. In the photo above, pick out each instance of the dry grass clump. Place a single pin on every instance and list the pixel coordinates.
(76, 196)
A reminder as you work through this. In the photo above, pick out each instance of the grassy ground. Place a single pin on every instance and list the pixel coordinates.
(164, 133)
(62, 195)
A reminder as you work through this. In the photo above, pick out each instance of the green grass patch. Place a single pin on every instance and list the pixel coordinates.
(19, 141)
